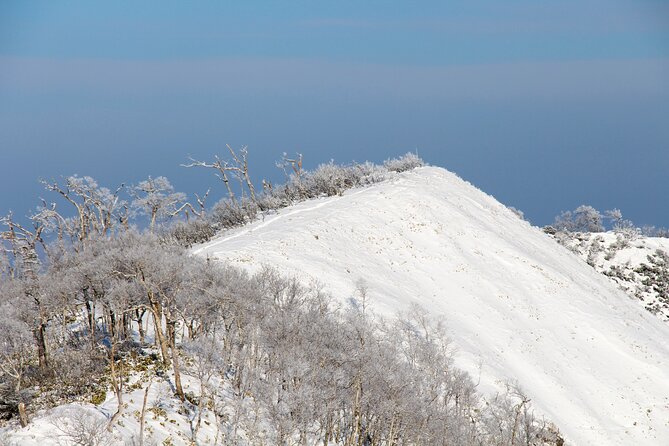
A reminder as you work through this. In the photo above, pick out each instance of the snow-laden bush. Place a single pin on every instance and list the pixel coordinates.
(229, 213)
(330, 179)
(405, 162)
(189, 233)
(520, 214)
(583, 219)
(510, 420)
(277, 198)
(652, 231)
(80, 426)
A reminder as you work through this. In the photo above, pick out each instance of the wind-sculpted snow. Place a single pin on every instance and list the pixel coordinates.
(518, 305)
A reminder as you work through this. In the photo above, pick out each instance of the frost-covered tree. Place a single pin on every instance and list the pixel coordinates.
(16, 352)
(98, 209)
(156, 274)
(155, 198)
(207, 362)
(583, 219)
(622, 226)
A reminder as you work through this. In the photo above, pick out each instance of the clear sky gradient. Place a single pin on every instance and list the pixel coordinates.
(545, 105)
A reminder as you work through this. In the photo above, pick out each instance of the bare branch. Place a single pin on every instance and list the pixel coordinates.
(219, 165)
(239, 168)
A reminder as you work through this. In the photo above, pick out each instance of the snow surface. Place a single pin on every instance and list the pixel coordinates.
(165, 422)
(518, 305)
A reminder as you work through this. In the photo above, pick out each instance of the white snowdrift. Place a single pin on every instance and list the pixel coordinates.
(518, 305)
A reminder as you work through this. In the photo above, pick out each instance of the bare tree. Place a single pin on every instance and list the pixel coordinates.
(238, 168)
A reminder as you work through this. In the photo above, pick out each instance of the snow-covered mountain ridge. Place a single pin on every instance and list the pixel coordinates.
(517, 304)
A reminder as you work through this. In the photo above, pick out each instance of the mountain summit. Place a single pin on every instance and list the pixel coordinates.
(517, 305)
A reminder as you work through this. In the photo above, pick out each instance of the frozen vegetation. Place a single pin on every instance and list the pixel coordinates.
(353, 305)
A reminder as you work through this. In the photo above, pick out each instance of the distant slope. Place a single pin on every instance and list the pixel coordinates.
(592, 360)
(636, 264)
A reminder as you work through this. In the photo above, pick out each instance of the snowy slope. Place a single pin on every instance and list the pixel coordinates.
(517, 304)
(638, 265)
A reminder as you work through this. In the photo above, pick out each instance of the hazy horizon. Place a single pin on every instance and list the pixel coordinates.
(544, 106)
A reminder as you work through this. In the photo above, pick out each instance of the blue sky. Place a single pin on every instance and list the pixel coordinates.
(545, 105)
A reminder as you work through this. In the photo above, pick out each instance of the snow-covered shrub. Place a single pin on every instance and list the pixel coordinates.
(565, 239)
(583, 219)
(621, 226)
(80, 426)
(329, 179)
(405, 162)
(370, 173)
(189, 233)
(595, 248)
(656, 277)
(277, 198)
(75, 369)
(520, 214)
(550, 230)
(229, 213)
(627, 230)
(509, 420)
(622, 242)
(652, 231)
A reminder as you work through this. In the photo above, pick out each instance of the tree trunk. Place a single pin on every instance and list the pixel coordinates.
(141, 419)
(41, 347)
(117, 383)
(140, 326)
(200, 409)
(357, 415)
(154, 214)
(23, 415)
(112, 323)
(90, 310)
(157, 312)
(126, 326)
(175, 360)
